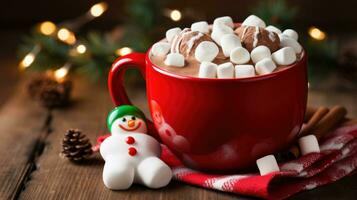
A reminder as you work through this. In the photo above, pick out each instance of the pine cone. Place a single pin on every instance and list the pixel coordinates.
(37, 83)
(55, 95)
(76, 146)
(49, 92)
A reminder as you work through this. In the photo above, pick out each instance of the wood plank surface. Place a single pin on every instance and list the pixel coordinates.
(22, 127)
(27, 172)
(57, 178)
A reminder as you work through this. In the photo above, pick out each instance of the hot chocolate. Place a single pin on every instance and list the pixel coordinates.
(226, 50)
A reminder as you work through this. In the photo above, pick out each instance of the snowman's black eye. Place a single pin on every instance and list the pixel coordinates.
(124, 119)
(133, 118)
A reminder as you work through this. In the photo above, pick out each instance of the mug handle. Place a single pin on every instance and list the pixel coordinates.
(116, 82)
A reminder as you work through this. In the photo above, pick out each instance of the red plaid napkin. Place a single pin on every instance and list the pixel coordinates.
(338, 158)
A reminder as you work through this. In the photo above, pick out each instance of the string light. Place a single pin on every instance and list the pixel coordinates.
(66, 36)
(47, 28)
(27, 61)
(175, 15)
(63, 34)
(30, 57)
(316, 33)
(62, 72)
(123, 51)
(98, 9)
(81, 48)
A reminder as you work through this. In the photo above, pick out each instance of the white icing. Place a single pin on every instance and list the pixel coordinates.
(175, 48)
(255, 39)
(192, 41)
(272, 36)
(244, 31)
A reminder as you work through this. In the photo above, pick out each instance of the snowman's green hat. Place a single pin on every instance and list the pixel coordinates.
(123, 110)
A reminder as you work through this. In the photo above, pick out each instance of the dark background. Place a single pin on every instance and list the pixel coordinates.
(336, 15)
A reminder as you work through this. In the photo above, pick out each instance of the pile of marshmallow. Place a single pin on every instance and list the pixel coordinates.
(252, 48)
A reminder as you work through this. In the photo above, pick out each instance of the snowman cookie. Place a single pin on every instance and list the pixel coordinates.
(130, 154)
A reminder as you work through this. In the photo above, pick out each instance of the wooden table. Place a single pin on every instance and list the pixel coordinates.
(30, 142)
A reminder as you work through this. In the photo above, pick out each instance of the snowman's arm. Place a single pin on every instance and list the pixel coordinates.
(100, 140)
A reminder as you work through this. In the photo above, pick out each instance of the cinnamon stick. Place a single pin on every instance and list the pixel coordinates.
(329, 121)
(309, 112)
(314, 120)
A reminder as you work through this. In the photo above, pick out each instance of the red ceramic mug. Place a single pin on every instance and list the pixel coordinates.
(219, 124)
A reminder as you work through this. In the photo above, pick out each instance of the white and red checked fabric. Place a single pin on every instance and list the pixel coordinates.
(338, 158)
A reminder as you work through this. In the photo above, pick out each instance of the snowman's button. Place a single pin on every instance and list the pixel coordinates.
(130, 140)
(132, 151)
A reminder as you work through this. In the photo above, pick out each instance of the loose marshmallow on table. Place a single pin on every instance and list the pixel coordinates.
(219, 30)
(267, 164)
(171, 33)
(259, 53)
(201, 26)
(308, 144)
(253, 20)
(291, 33)
(229, 42)
(244, 71)
(175, 60)
(160, 49)
(224, 20)
(273, 29)
(284, 56)
(206, 51)
(286, 41)
(239, 55)
(265, 66)
(225, 70)
(207, 70)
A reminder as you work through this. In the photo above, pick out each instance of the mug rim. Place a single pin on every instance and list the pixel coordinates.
(253, 78)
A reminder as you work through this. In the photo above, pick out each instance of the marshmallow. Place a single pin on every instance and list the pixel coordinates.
(259, 53)
(244, 71)
(201, 26)
(154, 173)
(207, 70)
(171, 33)
(273, 29)
(175, 60)
(160, 49)
(291, 33)
(225, 70)
(284, 56)
(253, 20)
(229, 42)
(308, 144)
(219, 30)
(267, 164)
(265, 66)
(206, 51)
(224, 20)
(239, 55)
(286, 41)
